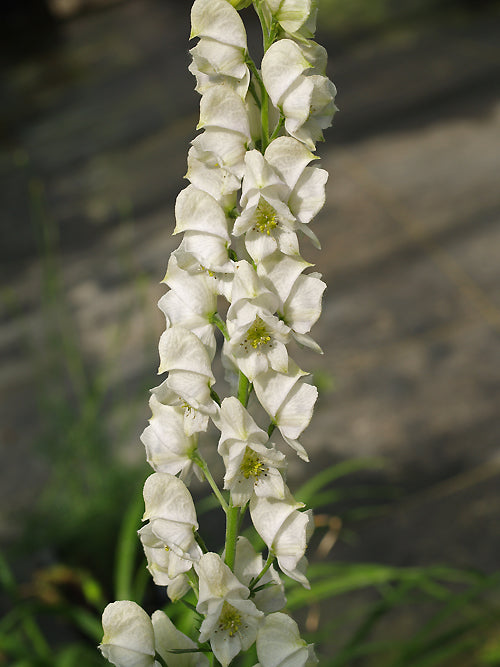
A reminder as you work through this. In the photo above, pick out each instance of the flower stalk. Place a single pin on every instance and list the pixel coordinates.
(253, 191)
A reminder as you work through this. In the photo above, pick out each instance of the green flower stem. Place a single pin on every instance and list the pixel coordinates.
(267, 38)
(202, 464)
(264, 117)
(264, 104)
(241, 517)
(231, 533)
(219, 323)
(277, 128)
(271, 428)
(243, 389)
(269, 562)
(199, 539)
(193, 581)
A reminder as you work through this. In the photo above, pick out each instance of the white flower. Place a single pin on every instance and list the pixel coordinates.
(208, 170)
(288, 401)
(280, 195)
(247, 565)
(279, 644)
(300, 294)
(251, 467)
(231, 620)
(257, 338)
(166, 567)
(171, 513)
(305, 98)
(218, 20)
(204, 224)
(290, 14)
(282, 64)
(188, 263)
(128, 639)
(306, 185)
(219, 56)
(168, 447)
(168, 638)
(221, 107)
(186, 359)
(266, 220)
(194, 420)
(191, 302)
(285, 531)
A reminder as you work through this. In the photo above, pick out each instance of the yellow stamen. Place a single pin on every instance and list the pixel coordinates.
(229, 619)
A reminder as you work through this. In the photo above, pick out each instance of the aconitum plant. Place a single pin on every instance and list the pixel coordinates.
(254, 190)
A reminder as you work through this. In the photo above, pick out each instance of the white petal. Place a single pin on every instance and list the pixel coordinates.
(292, 14)
(211, 57)
(128, 639)
(279, 644)
(308, 197)
(182, 350)
(218, 20)
(167, 637)
(297, 102)
(282, 63)
(222, 107)
(170, 509)
(217, 582)
(210, 250)
(235, 423)
(280, 273)
(303, 305)
(269, 514)
(289, 158)
(272, 388)
(296, 411)
(195, 210)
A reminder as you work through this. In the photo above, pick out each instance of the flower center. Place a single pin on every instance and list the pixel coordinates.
(252, 465)
(257, 334)
(265, 217)
(229, 619)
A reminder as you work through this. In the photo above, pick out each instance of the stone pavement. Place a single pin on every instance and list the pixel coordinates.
(95, 139)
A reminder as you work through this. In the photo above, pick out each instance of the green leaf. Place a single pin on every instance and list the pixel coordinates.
(128, 544)
(307, 491)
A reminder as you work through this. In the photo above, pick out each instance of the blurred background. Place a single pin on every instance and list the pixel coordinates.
(97, 111)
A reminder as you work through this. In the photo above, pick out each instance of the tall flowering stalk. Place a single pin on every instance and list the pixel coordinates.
(254, 190)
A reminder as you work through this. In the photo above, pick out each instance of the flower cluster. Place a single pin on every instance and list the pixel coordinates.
(253, 192)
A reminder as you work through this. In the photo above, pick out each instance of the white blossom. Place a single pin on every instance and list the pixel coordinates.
(128, 639)
(168, 447)
(305, 98)
(251, 467)
(231, 619)
(168, 638)
(279, 644)
(218, 20)
(172, 515)
(300, 294)
(280, 195)
(190, 376)
(285, 530)
(257, 338)
(204, 224)
(247, 565)
(290, 14)
(191, 302)
(165, 566)
(288, 401)
(219, 56)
